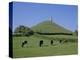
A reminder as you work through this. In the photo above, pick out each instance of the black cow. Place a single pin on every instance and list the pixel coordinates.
(41, 43)
(51, 42)
(23, 43)
(60, 41)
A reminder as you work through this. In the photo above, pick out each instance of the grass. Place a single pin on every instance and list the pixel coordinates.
(32, 49)
(64, 49)
(48, 27)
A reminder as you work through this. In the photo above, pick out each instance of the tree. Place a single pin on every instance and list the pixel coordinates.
(23, 31)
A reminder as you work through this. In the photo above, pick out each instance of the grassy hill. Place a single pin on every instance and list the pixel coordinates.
(48, 27)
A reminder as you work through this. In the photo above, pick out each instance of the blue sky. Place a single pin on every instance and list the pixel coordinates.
(30, 14)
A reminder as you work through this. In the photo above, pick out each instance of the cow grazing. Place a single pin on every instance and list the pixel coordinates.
(60, 41)
(23, 43)
(41, 43)
(51, 42)
(65, 41)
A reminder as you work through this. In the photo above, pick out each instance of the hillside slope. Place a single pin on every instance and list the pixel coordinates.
(49, 27)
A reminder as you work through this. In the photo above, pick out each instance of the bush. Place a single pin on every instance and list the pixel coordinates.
(23, 31)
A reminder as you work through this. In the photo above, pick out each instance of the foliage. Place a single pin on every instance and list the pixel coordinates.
(22, 31)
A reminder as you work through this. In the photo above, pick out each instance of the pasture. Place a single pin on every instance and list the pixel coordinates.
(32, 48)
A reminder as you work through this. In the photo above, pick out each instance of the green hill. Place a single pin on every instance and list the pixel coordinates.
(49, 27)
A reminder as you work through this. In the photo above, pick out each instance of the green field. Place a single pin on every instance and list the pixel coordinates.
(32, 48)
(68, 46)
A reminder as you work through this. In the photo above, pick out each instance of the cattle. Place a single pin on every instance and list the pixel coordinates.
(41, 43)
(23, 43)
(51, 42)
(60, 41)
(65, 41)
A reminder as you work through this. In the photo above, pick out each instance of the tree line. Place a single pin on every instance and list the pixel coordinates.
(26, 31)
